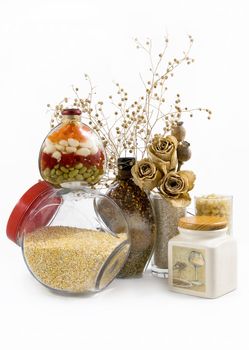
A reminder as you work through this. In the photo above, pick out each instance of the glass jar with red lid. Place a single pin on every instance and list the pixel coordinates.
(72, 152)
(72, 240)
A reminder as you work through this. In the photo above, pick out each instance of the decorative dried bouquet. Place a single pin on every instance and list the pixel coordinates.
(150, 128)
(160, 170)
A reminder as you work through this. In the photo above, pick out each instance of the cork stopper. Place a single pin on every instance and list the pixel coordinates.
(71, 111)
(124, 167)
(203, 223)
(126, 163)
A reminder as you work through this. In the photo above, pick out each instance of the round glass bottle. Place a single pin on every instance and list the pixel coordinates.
(73, 241)
(72, 152)
(138, 212)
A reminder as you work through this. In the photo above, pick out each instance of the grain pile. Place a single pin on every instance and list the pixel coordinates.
(70, 259)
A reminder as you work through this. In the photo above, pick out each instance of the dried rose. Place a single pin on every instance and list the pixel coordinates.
(163, 152)
(145, 174)
(175, 186)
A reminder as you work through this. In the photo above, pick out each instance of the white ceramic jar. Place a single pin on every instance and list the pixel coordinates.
(202, 258)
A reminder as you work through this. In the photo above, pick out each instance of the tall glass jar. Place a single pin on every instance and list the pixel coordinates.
(138, 212)
(167, 218)
(72, 152)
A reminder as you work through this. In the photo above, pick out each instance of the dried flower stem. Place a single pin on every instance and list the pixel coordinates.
(135, 121)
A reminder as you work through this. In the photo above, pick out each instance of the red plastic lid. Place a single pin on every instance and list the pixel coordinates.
(39, 193)
(71, 111)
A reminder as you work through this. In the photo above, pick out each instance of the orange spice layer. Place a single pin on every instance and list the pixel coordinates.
(69, 131)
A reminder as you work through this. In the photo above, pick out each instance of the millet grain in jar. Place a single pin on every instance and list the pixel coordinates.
(70, 259)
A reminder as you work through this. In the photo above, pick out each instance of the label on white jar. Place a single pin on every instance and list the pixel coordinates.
(189, 268)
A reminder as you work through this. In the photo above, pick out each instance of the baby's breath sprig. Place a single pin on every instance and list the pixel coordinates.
(159, 113)
(126, 125)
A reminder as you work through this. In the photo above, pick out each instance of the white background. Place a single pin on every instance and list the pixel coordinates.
(46, 46)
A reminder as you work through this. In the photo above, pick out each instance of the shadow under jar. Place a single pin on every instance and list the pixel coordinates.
(70, 244)
(138, 212)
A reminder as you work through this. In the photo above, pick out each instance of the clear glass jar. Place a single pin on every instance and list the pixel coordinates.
(138, 212)
(216, 205)
(167, 218)
(73, 241)
(72, 152)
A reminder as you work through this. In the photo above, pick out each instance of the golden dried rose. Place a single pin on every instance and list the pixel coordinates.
(145, 174)
(163, 152)
(175, 186)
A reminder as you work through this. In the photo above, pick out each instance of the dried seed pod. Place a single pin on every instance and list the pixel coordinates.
(183, 153)
(179, 131)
